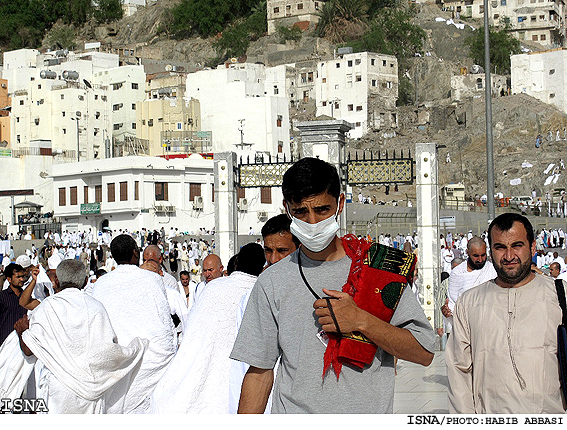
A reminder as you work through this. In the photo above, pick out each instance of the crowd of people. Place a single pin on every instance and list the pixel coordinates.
(303, 322)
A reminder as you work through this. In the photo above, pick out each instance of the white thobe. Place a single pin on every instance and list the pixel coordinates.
(197, 380)
(137, 305)
(502, 354)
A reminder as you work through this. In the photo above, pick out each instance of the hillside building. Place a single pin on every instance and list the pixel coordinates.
(245, 106)
(168, 123)
(542, 75)
(541, 21)
(5, 107)
(361, 88)
(125, 87)
(286, 13)
(468, 85)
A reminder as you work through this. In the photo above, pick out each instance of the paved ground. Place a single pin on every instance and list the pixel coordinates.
(421, 390)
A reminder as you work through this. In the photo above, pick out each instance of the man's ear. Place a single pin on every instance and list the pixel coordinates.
(341, 203)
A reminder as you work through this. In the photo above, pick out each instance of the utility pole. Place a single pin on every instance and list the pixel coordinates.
(488, 103)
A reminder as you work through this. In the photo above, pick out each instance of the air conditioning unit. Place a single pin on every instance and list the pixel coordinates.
(198, 203)
(242, 204)
(159, 208)
(262, 215)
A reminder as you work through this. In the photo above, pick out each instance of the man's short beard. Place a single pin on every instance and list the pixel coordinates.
(521, 273)
(475, 266)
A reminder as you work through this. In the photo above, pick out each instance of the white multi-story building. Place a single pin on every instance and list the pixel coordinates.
(244, 105)
(152, 192)
(125, 87)
(541, 21)
(286, 13)
(361, 88)
(542, 75)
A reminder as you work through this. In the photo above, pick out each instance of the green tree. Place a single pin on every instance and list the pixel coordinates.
(502, 46)
(108, 10)
(60, 36)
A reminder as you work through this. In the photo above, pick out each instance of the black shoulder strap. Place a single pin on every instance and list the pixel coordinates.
(561, 296)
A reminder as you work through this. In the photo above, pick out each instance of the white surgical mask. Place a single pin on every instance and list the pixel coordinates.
(315, 237)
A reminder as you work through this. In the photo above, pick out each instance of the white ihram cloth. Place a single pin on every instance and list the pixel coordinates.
(71, 334)
(197, 379)
(462, 280)
(15, 368)
(136, 302)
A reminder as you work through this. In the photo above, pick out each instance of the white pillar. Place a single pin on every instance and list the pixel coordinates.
(427, 224)
(226, 220)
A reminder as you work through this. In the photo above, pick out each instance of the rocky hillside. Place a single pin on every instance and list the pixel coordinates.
(517, 119)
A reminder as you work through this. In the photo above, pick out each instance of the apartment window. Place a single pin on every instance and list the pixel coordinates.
(17, 119)
(85, 194)
(116, 106)
(533, 18)
(98, 193)
(123, 191)
(481, 9)
(116, 126)
(552, 95)
(161, 191)
(134, 86)
(356, 61)
(479, 83)
(534, 37)
(133, 106)
(276, 10)
(358, 108)
(372, 61)
(542, 37)
(241, 193)
(96, 96)
(350, 108)
(336, 105)
(63, 113)
(276, 91)
(373, 82)
(300, 6)
(349, 63)
(279, 121)
(324, 80)
(64, 131)
(136, 190)
(213, 193)
(552, 71)
(358, 78)
(117, 86)
(62, 96)
(111, 192)
(502, 2)
(73, 195)
(62, 197)
(303, 78)
(280, 146)
(150, 123)
(310, 77)
(542, 17)
(338, 65)
(18, 138)
(266, 195)
(357, 124)
(21, 102)
(97, 115)
(324, 103)
(133, 126)
(39, 87)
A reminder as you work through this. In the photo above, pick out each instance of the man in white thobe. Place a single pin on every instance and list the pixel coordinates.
(71, 334)
(502, 354)
(137, 305)
(197, 380)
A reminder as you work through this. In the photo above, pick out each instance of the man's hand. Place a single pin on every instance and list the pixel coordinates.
(152, 266)
(22, 325)
(347, 313)
(445, 310)
(440, 332)
(35, 273)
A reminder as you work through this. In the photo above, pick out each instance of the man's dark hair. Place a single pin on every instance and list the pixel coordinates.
(505, 221)
(122, 248)
(11, 269)
(278, 224)
(308, 177)
(251, 259)
(184, 272)
(231, 266)
(100, 272)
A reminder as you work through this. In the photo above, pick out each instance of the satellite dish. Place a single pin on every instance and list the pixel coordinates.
(87, 83)
(168, 68)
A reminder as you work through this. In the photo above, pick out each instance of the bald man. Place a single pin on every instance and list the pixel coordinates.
(212, 269)
(470, 273)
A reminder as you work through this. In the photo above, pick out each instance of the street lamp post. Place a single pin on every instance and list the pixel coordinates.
(77, 117)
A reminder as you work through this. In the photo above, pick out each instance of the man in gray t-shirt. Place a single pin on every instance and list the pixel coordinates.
(283, 317)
